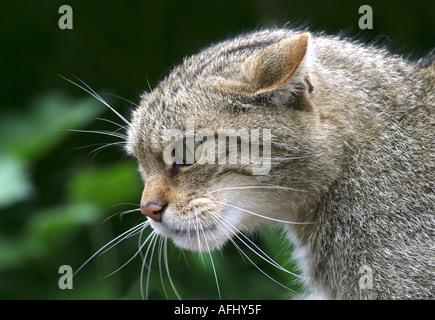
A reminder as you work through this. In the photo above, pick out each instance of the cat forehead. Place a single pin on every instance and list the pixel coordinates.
(195, 83)
(169, 108)
(163, 117)
(221, 59)
(191, 91)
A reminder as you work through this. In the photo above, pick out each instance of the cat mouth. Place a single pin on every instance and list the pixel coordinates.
(197, 230)
(196, 236)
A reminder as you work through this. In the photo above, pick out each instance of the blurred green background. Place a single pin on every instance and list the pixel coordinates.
(56, 196)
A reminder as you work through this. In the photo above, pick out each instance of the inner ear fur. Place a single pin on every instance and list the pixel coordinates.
(276, 66)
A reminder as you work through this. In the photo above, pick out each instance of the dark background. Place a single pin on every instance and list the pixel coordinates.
(55, 196)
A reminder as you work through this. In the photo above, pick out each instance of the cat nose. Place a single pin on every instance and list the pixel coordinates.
(153, 210)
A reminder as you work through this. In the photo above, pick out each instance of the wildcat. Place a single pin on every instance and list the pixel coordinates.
(351, 175)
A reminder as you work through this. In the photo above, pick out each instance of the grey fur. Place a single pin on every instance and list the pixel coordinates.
(369, 186)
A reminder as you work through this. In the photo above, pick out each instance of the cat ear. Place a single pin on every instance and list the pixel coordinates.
(281, 66)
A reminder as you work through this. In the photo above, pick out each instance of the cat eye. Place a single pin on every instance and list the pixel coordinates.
(188, 150)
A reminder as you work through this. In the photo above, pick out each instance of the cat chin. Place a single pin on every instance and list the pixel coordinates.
(205, 240)
(192, 244)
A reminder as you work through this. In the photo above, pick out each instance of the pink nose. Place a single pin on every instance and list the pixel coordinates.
(153, 211)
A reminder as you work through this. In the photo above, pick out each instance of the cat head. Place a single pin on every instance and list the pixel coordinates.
(230, 139)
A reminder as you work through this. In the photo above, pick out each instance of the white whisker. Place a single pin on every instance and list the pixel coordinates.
(211, 260)
(223, 228)
(263, 272)
(158, 107)
(293, 158)
(107, 133)
(260, 215)
(198, 239)
(128, 211)
(118, 239)
(254, 187)
(165, 257)
(152, 244)
(134, 256)
(119, 97)
(113, 122)
(189, 223)
(95, 95)
(98, 144)
(149, 86)
(119, 213)
(160, 267)
(260, 252)
(132, 234)
(107, 145)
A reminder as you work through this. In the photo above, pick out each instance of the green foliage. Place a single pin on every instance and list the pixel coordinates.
(26, 137)
(59, 206)
(62, 230)
(15, 184)
(105, 186)
(43, 233)
(30, 135)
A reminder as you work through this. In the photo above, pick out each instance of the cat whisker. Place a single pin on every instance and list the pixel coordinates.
(292, 158)
(102, 146)
(261, 270)
(116, 240)
(139, 241)
(225, 228)
(254, 187)
(260, 215)
(113, 122)
(119, 97)
(115, 133)
(134, 256)
(211, 225)
(107, 133)
(197, 229)
(152, 244)
(132, 234)
(211, 260)
(89, 90)
(165, 257)
(160, 267)
(107, 145)
(96, 144)
(259, 252)
(160, 111)
(189, 223)
(120, 215)
(128, 211)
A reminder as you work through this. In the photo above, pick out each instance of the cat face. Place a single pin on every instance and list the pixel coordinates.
(222, 147)
(201, 203)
